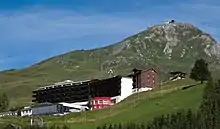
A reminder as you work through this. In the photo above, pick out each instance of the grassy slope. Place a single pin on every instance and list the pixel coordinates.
(149, 106)
(139, 107)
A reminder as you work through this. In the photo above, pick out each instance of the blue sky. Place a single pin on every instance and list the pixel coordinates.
(33, 30)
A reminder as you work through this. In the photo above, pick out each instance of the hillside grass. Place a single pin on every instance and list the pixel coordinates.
(136, 108)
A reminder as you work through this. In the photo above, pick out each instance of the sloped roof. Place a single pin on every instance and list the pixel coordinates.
(149, 69)
(138, 71)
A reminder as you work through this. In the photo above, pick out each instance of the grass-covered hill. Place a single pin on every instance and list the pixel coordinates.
(166, 47)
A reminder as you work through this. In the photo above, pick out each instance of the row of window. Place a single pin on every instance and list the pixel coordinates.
(94, 102)
(149, 76)
(27, 111)
(150, 81)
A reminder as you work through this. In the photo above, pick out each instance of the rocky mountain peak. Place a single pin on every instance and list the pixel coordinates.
(167, 42)
(172, 34)
(173, 30)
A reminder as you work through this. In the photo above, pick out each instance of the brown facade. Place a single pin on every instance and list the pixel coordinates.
(145, 78)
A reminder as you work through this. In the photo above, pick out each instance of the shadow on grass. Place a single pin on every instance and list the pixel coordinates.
(190, 86)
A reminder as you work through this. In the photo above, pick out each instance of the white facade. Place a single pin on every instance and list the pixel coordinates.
(26, 112)
(80, 103)
(116, 98)
(126, 87)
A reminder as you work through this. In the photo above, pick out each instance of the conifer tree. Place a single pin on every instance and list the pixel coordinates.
(120, 126)
(53, 127)
(98, 127)
(200, 71)
(216, 97)
(104, 127)
(110, 126)
(189, 119)
(66, 127)
(58, 127)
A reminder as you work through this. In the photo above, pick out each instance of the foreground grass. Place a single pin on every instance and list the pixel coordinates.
(139, 107)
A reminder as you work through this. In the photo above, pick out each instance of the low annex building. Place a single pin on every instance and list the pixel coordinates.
(100, 102)
(51, 109)
(175, 75)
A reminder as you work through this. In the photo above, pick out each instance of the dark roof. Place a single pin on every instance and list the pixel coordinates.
(43, 104)
(177, 72)
(138, 71)
(65, 85)
(106, 79)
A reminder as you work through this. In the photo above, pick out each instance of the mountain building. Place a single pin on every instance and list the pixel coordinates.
(100, 102)
(175, 75)
(144, 79)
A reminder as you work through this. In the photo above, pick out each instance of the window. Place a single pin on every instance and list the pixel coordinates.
(100, 102)
(105, 102)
